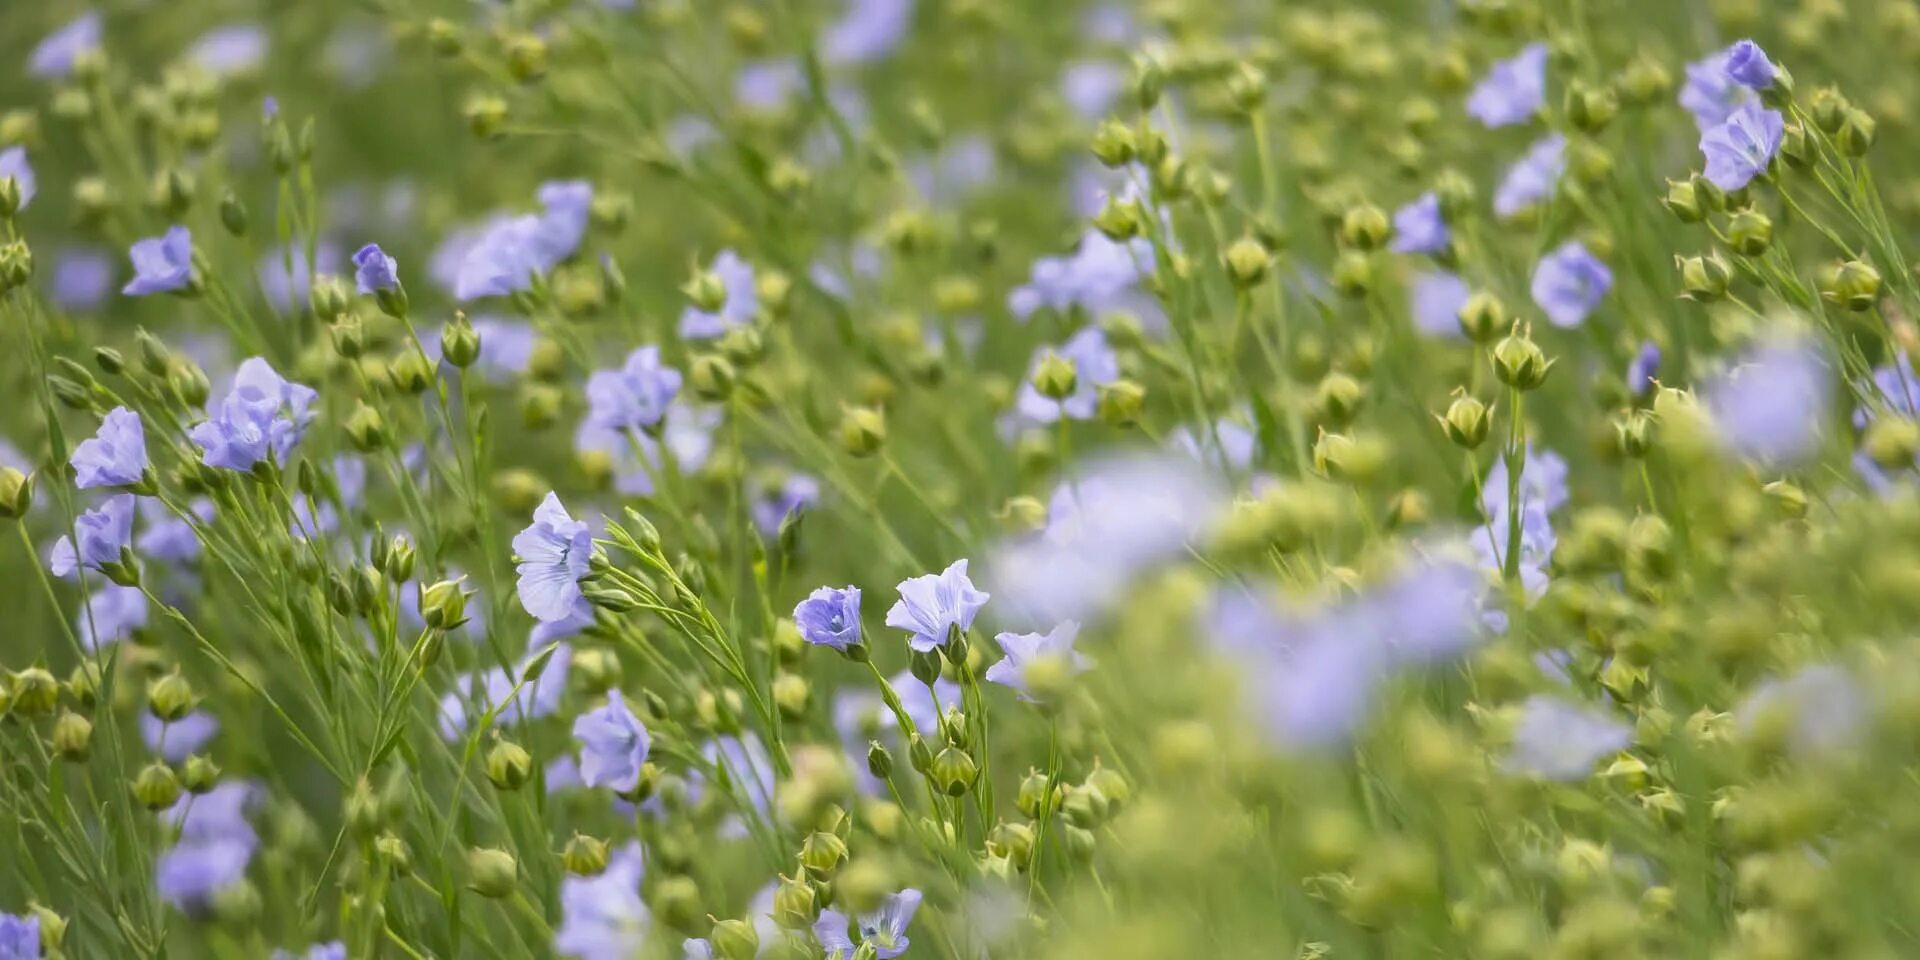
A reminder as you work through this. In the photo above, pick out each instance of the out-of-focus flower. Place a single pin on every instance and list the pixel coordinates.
(1709, 93)
(110, 613)
(1099, 275)
(867, 31)
(503, 256)
(13, 163)
(687, 435)
(1437, 296)
(216, 844)
(1533, 177)
(1644, 367)
(1095, 364)
(603, 917)
(53, 58)
(285, 278)
(742, 300)
(1543, 481)
(1418, 227)
(1822, 708)
(19, 936)
(98, 537)
(229, 50)
(115, 456)
(1742, 146)
(1770, 407)
(613, 745)
(931, 607)
(81, 279)
(795, 493)
(1748, 66)
(554, 552)
(162, 264)
(1569, 283)
(830, 617)
(635, 396)
(181, 738)
(1091, 87)
(1022, 650)
(169, 539)
(1555, 739)
(1513, 90)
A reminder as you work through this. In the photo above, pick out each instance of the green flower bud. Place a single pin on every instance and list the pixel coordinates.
(156, 787)
(1054, 376)
(879, 761)
(362, 809)
(348, 336)
(459, 342)
(366, 428)
(16, 493)
(1590, 109)
(394, 852)
(1635, 432)
(412, 372)
(584, 856)
(1032, 798)
(35, 692)
(1645, 80)
(1853, 284)
(509, 766)
(1828, 108)
(712, 377)
(1857, 133)
(53, 929)
(1703, 279)
(188, 382)
(1892, 442)
(443, 605)
(1519, 363)
(792, 694)
(1795, 147)
(1467, 422)
(1247, 87)
(1455, 191)
(862, 430)
(83, 684)
(199, 774)
(743, 346)
(598, 670)
(400, 560)
(233, 213)
(793, 906)
(1338, 399)
(953, 772)
(73, 737)
(1118, 219)
(1352, 273)
(491, 872)
(822, 853)
(1365, 227)
(1751, 232)
(1247, 261)
(1113, 144)
(486, 116)
(1080, 843)
(540, 405)
(1120, 402)
(16, 264)
(1014, 841)
(169, 698)
(1788, 497)
(1683, 201)
(526, 57)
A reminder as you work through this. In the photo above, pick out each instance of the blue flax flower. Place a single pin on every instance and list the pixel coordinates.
(1743, 146)
(1821, 710)
(1770, 407)
(1094, 365)
(554, 552)
(742, 302)
(1418, 227)
(162, 264)
(1710, 94)
(1024, 649)
(374, 271)
(830, 617)
(1569, 283)
(1533, 177)
(19, 937)
(931, 607)
(53, 58)
(13, 163)
(1748, 66)
(1644, 367)
(216, 845)
(796, 493)
(1558, 740)
(603, 917)
(885, 929)
(868, 31)
(1513, 89)
(1436, 298)
(636, 395)
(116, 456)
(232, 49)
(99, 535)
(82, 278)
(319, 951)
(613, 745)
(262, 415)
(110, 614)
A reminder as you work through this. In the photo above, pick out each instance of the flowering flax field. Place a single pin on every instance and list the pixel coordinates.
(959, 479)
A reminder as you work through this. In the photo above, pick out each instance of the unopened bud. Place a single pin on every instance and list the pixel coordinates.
(491, 872)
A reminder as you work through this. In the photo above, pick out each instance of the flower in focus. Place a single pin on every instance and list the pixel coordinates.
(742, 301)
(1748, 66)
(1513, 90)
(375, 271)
(1418, 227)
(1533, 177)
(934, 606)
(885, 929)
(636, 395)
(98, 537)
(830, 617)
(1558, 740)
(1569, 283)
(1770, 407)
(162, 264)
(1741, 147)
(1023, 650)
(115, 456)
(603, 917)
(261, 414)
(613, 745)
(553, 553)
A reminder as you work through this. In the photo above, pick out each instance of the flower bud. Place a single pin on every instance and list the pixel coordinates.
(1118, 219)
(822, 853)
(712, 377)
(1032, 798)
(1857, 132)
(509, 766)
(1750, 232)
(1467, 422)
(73, 737)
(1054, 376)
(170, 697)
(792, 695)
(1683, 201)
(1356, 458)
(1853, 284)
(16, 264)
(1787, 497)
(199, 774)
(34, 692)
(1519, 363)
(1352, 274)
(862, 430)
(1247, 87)
(793, 906)
(1703, 279)
(459, 342)
(1590, 109)
(16, 493)
(412, 372)
(1892, 442)
(879, 761)
(1248, 261)
(1365, 227)
(584, 856)
(394, 853)
(1338, 399)
(156, 787)
(1634, 430)
(735, 940)
(526, 57)
(1120, 403)
(491, 872)
(83, 684)
(1645, 80)
(443, 605)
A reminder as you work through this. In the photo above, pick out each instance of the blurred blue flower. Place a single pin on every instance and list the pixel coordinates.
(885, 929)
(1418, 227)
(1709, 93)
(170, 539)
(216, 844)
(506, 347)
(742, 302)
(374, 270)
(1513, 90)
(110, 614)
(613, 745)
(1771, 406)
(1558, 740)
(687, 435)
(1569, 283)
(19, 937)
(286, 287)
(1748, 66)
(1824, 710)
(1543, 481)
(830, 617)
(932, 606)
(634, 397)
(766, 85)
(98, 537)
(1437, 296)
(867, 31)
(161, 264)
(1095, 364)
(1097, 277)
(82, 278)
(319, 951)
(1091, 87)
(175, 741)
(13, 163)
(232, 49)
(494, 691)
(553, 552)
(795, 493)
(261, 414)
(1022, 649)
(53, 58)
(603, 917)
(115, 456)
(1533, 177)
(1741, 147)
(1644, 367)
(697, 948)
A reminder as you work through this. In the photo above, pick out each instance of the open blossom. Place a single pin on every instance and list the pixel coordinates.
(374, 270)
(53, 58)
(613, 745)
(13, 163)
(19, 937)
(1418, 227)
(1569, 283)
(830, 617)
(82, 278)
(232, 49)
(1771, 406)
(1513, 89)
(686, 434)
(1024, 649)
(553, 552)
(115, 456)
(1094, 365)
(636, 395)
(1710, 94)
(216, 844)
(742, 300)
(885, 929)
(603, 917)
(931, 607)
(1437, 297)
(867, 31)
(503, 256)
(262, 415)
(162, 264)
(1533, 177)
(1742, 147)
(1821, 710)
(181, 738)
(99, 535)
(1558, 740)
(110, 614)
